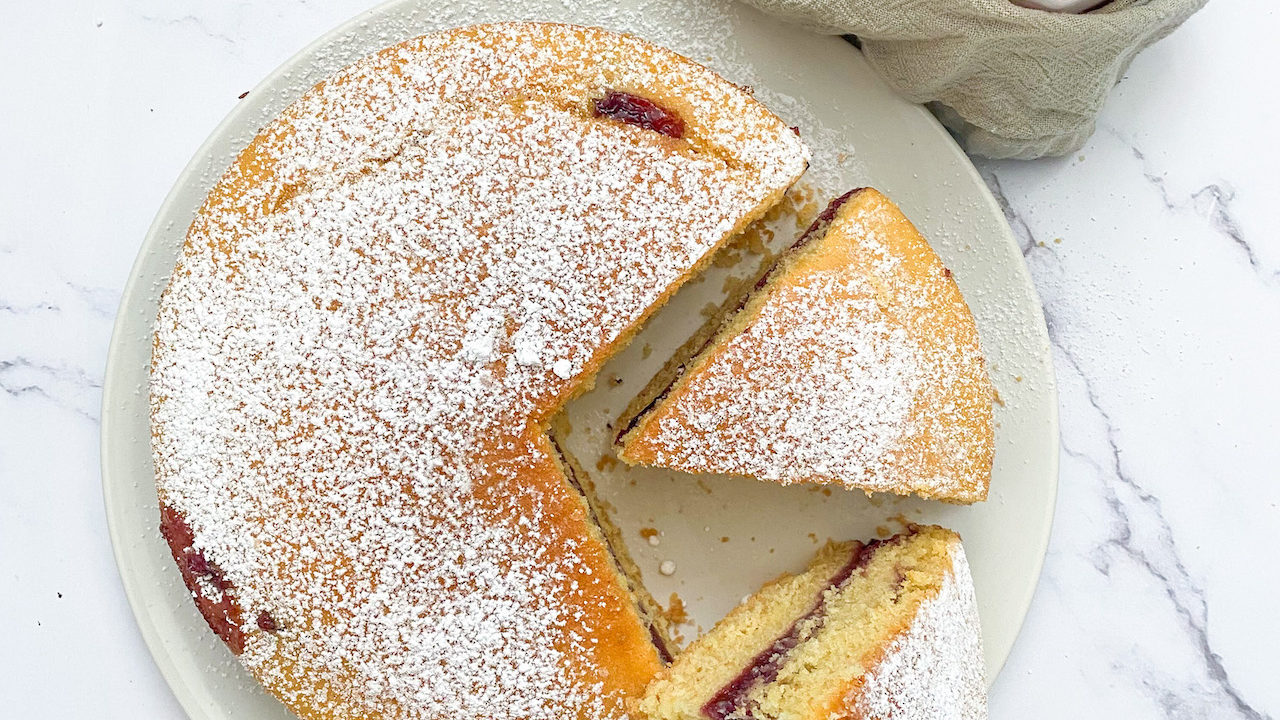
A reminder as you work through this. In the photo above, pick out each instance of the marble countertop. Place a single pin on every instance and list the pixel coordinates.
(1154, 250)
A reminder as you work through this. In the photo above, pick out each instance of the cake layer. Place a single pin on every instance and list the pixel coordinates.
(855, 362)
(890, 634)
(375, 314)
(734, 699)
(716, 660)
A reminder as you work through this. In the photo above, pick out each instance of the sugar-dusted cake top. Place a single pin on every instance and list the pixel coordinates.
(856, 363)
(933, 670)
(379, 305)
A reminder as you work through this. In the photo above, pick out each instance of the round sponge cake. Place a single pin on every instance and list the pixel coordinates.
(376, 313)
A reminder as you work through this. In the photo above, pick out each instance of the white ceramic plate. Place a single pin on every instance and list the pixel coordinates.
(862, 134)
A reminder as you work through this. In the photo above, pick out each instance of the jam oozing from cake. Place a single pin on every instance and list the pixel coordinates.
(731, 700)
(212, 591)
(636, 110)
(266, 622)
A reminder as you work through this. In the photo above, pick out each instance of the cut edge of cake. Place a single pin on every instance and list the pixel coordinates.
(886, 629)
(628, 571)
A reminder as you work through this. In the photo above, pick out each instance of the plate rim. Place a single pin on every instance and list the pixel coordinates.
(113, 377)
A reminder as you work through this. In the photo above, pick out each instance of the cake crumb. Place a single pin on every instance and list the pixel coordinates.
(668, 567)
(901, 520)
(813, 537)
(724, 538)
(606, 462)
(650, 535)
(646, 350)
(727, 258)
(883, 531)
(676, 611)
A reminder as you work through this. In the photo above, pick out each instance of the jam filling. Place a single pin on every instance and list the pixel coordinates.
(731, 700)
(635, 110)
(222, 612)
(266, 622)
(816, 229)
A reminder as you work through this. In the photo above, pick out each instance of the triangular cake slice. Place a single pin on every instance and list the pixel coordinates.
(885, 631)
(854, 362)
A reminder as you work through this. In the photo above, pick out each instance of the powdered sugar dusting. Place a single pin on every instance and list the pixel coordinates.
(933, 671)
(858, 365)
(784, 418)
(407, 273)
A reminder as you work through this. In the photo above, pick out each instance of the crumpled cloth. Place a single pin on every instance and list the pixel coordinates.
(1008, 81)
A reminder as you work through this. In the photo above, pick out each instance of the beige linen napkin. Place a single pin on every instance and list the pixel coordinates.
(1009, 81)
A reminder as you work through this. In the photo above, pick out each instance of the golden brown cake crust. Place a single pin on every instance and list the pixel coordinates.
(882, 631)
(857, 363)
(376, 312)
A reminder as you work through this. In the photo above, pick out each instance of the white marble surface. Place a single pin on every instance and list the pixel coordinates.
(1154, 249)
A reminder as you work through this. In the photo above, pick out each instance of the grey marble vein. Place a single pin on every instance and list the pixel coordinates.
(101, 300)
(1211, 202)
(1161, 560)
(16, 381)
(29, 308)
(1214, 200)
(192, 21)
(1027, 240)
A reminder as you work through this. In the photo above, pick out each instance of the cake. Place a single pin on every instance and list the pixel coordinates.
(855, 361)
(882, 631)
(376, 313)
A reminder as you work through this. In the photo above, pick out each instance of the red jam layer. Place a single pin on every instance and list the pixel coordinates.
(816, 229)
(731, 700)
(222, 613)
(635, 110)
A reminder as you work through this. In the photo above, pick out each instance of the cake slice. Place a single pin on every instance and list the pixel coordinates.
(855, 361)
(882, 631)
